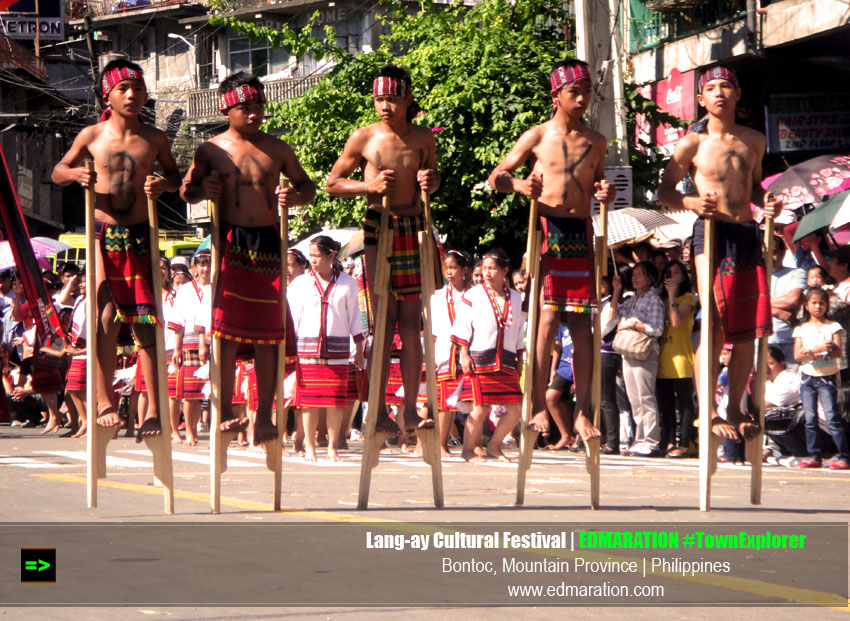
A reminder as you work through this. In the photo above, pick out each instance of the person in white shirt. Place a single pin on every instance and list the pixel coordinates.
(185, 336)
(489, 330)
(326, 315)
(817, 346)
(444, 309)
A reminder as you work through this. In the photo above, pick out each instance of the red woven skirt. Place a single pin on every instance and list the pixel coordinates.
(497, 388)
(445, 389)
(325, 386)
(142, 386)
(185, 384)
(76, 378)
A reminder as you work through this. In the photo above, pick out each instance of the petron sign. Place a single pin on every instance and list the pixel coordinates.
(22, 19)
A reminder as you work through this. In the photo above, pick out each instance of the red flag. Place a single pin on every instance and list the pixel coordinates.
(44, 313)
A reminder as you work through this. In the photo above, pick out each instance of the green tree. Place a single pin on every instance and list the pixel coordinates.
(647, 161)
(480, 76)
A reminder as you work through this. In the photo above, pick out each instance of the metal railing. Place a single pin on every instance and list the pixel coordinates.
(15, 56)
(203, 104)
(650, 28)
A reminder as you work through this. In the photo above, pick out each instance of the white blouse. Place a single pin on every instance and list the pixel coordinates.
(495, 343)
(325, 330)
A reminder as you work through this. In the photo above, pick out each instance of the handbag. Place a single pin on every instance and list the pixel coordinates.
(632, 344)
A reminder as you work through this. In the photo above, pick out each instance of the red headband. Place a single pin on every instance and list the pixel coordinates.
(241, 94)
(119, 74)
(565, 76)
(384, 86)
(718, 73)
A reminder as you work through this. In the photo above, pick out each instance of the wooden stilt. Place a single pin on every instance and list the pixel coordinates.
(591, 446)
(708, 442)
(430, 438)
(274, 448)
(218, 441)
(160, 447)
(373, 439)
(754, 445)
(528, 435)
(95, 443)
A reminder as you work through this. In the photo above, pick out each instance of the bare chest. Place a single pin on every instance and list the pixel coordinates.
(565, 156)
(724, 159)
(247, 165)
(131, 158)
(395, 154)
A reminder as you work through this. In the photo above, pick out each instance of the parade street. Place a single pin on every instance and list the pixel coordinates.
(44, 480)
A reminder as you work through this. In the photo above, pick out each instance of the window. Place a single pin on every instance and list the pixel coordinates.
(249, 55)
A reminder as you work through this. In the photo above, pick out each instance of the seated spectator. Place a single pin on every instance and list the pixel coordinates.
(786, 295)
(782, 388)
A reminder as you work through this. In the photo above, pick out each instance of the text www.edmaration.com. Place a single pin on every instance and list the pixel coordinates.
(605, 589)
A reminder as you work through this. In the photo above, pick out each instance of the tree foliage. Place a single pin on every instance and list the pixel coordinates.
(480, 76)
(647, 161)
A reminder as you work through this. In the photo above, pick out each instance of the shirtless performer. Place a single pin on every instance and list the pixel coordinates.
(567, 159)
(246, 308)
(724, 160)
(398, 159)
(124, 150)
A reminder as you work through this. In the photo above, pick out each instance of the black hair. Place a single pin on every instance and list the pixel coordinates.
(650, 270)
(658, 252)
(685, 286)
(461, 258)
(400, 73)
(299, 257)
(326, 244)
(240, 78)
(117, 63)
(202, 255)
(69, 267)
(499, 256)
(812, 291)
(823, 273)
(51, 279)
(775, 352)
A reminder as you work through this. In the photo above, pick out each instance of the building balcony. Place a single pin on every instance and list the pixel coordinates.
(78, 9)
(648, 28)
(203, 105)
(16, 57)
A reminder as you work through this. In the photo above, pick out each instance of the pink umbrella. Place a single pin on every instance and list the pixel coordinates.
(41, 246)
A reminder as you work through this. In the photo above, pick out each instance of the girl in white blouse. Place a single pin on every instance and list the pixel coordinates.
(326, 315)
(489, 330)
(444, 309)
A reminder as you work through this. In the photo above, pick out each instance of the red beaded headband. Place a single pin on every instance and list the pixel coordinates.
(116, 75)
(241, 94)
(386, 86)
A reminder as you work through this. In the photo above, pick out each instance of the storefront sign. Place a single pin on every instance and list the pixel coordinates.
(674, 95)
(808, 122)
(20, 20)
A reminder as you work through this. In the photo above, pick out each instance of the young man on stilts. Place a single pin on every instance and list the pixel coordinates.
(125, 151)
(567, 160)
(399, 160)
(247, 305)
(724, 160)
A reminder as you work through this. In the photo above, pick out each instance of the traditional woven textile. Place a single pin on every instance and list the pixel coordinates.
(127, 268)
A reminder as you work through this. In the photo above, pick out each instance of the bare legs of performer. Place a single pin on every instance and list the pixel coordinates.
(580, 327)
(740, 365)
(265, 366)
